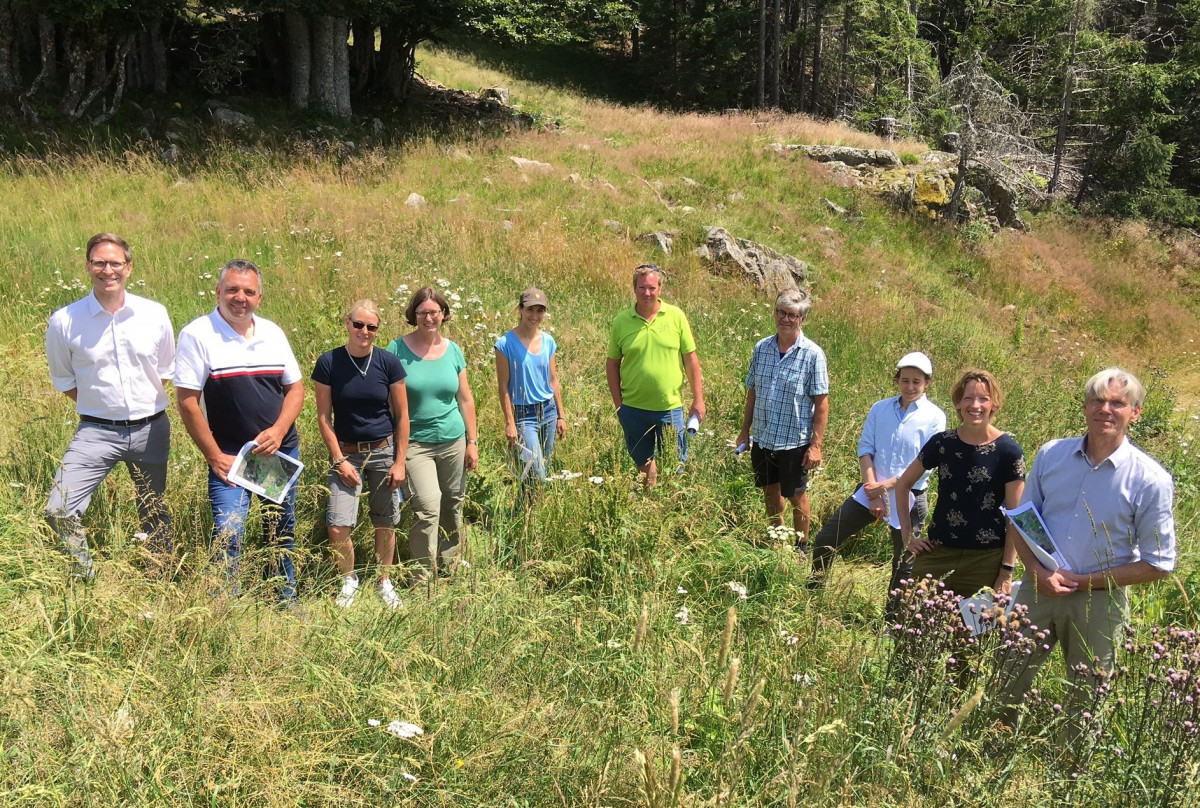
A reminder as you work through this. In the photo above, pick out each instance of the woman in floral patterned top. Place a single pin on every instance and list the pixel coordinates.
(979, 469)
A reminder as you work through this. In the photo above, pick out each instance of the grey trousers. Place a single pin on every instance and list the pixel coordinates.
(850, 520)
(93, 452)
(435, 482)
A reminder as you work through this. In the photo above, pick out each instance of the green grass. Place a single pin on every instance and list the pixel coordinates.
(528, 670)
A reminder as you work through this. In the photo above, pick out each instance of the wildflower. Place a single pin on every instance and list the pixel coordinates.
(373, 722)
(403, 729)
(682, 615)
(679, 590)
(596, 480)
(740, 589)
(412, 778)
(614, 643)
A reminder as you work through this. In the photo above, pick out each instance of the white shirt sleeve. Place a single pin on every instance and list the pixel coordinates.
(58, 355)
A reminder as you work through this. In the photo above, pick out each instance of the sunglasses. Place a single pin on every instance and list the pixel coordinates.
(359, 324)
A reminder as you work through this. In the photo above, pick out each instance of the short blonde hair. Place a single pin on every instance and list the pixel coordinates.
(984, 378)
(367, 305)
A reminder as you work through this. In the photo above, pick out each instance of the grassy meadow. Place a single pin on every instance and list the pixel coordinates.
(592, 651)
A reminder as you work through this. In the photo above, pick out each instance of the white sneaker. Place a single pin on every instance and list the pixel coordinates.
(387, 593)
(349, 590)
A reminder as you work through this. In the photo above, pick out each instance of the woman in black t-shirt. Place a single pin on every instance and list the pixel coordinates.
(979, 469)
(362, 411)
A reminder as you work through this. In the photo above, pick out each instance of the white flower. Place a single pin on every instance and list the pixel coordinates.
(802, 679)
(682, 615)
(373, 722)
(412, 778)
(614, 643)
(679, 590)
(596, 480)
(740, 589)
(140, 537)
(403, 729)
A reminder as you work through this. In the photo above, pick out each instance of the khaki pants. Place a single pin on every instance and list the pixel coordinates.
(1088, 624)
(435, 482)
(964, 572)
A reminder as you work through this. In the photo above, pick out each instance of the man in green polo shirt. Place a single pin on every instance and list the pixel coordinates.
(650, 348)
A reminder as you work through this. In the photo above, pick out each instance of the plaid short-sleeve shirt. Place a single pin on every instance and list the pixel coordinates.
(784, 387)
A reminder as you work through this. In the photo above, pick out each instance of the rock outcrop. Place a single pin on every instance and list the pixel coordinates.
(768, 269)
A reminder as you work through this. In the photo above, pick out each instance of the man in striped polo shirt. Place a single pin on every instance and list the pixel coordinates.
(237, 380)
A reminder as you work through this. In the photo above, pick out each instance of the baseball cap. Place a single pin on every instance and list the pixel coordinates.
(917, 360)
(534, 297)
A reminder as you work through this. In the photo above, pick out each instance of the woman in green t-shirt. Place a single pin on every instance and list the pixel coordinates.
(443, 442)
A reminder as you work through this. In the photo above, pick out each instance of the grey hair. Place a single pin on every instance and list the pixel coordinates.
(795, 300)
(367, 305)
(1128, 387)
(239, 265)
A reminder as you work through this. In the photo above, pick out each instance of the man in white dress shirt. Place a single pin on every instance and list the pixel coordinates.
(112, 353)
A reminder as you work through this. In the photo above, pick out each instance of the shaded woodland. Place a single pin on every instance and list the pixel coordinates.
(1108, 91)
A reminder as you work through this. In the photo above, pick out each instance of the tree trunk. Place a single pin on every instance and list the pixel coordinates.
(802, 58)
(1064, 108)
(331, 66)
(47, 39)
(396, 61)
(363, 62)
(761, 98)
(840, 100)
(299, 58)
(158, 57)
(8, 52)
(778, 57)
(814, 106)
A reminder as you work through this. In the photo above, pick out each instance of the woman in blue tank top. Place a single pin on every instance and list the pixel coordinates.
(530, 396)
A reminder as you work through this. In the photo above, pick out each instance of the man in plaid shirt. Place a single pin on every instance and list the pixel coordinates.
(787, 408)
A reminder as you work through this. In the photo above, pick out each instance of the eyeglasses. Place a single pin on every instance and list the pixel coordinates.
(433, 313)
(100, 265)
(359, 324)
(788, 315)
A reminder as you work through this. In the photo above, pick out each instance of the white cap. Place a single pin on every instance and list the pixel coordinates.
(917, 360)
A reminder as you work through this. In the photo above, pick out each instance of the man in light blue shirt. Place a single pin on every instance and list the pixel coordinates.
(1107, 505)
(894, 432)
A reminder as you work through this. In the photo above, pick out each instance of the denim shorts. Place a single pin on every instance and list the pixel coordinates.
(644, 432)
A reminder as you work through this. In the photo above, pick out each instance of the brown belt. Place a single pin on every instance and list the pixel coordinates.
(363, 446)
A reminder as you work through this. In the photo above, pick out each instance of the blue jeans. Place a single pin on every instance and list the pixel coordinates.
(230, 507)
(536, 431)
(644, 432)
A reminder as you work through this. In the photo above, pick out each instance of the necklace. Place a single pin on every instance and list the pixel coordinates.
(362, 369)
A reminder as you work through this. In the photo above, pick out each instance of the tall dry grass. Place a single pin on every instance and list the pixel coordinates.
(597, 624)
